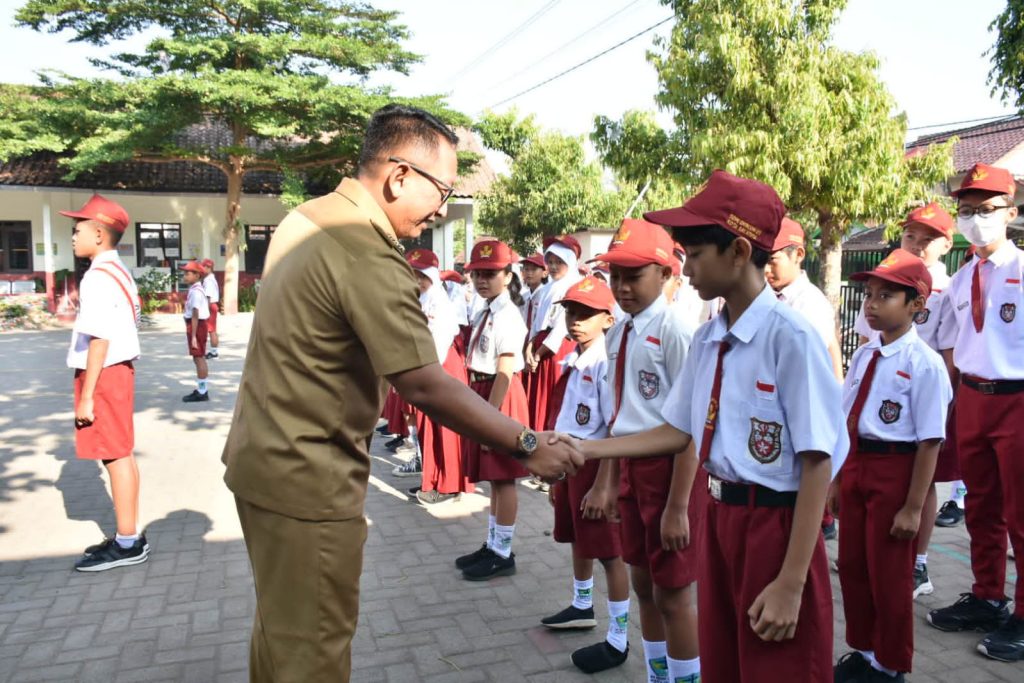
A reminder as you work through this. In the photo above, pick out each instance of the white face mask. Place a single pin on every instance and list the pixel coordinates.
(982, 232)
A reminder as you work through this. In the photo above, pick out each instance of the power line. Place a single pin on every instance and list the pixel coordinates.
(565, 45)
(584, 62)
(482, 57)
(957, 123)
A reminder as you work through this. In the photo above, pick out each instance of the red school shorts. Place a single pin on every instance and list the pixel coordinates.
(200, 348)
(211, 323)
(593, 539)
(112, 433)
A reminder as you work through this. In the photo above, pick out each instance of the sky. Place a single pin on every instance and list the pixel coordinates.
(483, 53)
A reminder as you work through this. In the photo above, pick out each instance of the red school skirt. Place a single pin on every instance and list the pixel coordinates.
(112, 433)
(395, 412)
(543, 379)
(443, 468)
(482, 463)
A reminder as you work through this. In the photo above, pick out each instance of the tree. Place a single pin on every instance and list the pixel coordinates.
(552, 188)
(756, 88)
(1007, 72)
(261, 69)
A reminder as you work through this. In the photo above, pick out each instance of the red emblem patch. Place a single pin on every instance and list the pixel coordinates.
(650, 384)
(582, 414)
(889, 412)
(765, 441)
(1008, 312)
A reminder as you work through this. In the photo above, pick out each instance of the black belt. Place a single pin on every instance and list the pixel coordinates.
(886, 447)
(998, 386)
(480, 377)
(753, 495)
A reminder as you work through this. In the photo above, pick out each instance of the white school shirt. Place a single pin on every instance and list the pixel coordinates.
(211, 288)
(803, 297)
(440, 319)
(106, 312)
(457, 295)
(927, 321)
(779, 396)
(910, 392)
(529, 297)
(551, 314)
(583, 408)
(997, 352)
(655, 352)
(504, 333)
(197, 300)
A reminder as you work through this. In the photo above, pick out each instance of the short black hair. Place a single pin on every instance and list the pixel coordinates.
(114, 235)
(718, 237)
(396, 125)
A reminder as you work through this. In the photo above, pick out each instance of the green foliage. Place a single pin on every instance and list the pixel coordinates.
(151, 284)
(507, 133)
(247, 298)
(552, 188)
(13, 312)
(1007, 74)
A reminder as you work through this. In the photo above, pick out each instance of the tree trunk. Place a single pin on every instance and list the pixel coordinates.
(230, 293)
(831, 257)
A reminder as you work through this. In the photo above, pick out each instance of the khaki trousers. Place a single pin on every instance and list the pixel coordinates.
(307, 595)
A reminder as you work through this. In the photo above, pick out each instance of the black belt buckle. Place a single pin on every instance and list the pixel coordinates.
(987, 388)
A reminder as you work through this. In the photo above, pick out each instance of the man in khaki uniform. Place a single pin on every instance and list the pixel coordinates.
(338, 311)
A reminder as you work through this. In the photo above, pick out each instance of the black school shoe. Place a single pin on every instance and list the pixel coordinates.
(490, 566)
(950, 515)
(472, 558)
(110, 554)
(196, 397)
(1006, 643)
(850, 668)
(599, 657)
(969, 614)
(571, 618)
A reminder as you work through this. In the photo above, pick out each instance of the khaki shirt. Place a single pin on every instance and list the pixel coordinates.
(338, 309)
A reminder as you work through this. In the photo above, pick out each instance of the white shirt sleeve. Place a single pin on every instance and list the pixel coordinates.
(930, 394)
(811, 398)
(679, 403)
(948, 326)
(558, 329)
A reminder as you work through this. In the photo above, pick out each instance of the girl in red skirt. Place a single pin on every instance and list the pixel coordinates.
(443, 476)
(494, 359)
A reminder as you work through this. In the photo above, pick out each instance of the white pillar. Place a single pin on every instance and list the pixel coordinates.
(51, 296)
(469, 229)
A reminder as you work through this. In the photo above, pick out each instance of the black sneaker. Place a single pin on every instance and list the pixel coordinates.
(922, 584)
(383, 429)
(829, 530)
(571, 618)
(110, 554)
(950, 515)
(969, 614)
(850, 668)
(472, 558)
(93, 548)
(394, 443)
(434, 497)
(196, 397)
(490, 566)
(412, 468)
(1006, 643)
(212, 354)
(599, 657)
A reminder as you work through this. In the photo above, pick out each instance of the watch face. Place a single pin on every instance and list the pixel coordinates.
(529, 442)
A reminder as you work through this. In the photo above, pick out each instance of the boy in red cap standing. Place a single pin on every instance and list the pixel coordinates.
(104, 344)
(896, 397)
(646, 352)
(987, 340)
(212, 290)
(579, 407)
(758, 400)
(197, 313)
(535, 275)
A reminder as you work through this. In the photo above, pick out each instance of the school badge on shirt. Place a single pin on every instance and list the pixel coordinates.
(921, 317)
(650, 384)
(889, 412)
(765, 441)
(1008, 312)
(582, 414)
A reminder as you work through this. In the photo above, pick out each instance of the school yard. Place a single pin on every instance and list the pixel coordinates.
(185, 615)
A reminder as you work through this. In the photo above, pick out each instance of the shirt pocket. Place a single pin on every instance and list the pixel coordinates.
(894, 400)
(767, 441)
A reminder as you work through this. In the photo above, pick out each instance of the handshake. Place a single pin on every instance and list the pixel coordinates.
(557, 455)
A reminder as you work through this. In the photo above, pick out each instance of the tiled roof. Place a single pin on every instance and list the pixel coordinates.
(43, 170)
(986, 143)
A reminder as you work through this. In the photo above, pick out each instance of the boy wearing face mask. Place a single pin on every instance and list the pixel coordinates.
(986, 335)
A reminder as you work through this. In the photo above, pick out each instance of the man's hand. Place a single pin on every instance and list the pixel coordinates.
(675, 528)
(906, 523)
(84, 415)
(774, 614)
(553, 457)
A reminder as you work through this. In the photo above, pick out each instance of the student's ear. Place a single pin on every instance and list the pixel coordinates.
(1012, 213)
(917, 304)
(801, 254)
(666, 274)
(609, 320)
(742, 250)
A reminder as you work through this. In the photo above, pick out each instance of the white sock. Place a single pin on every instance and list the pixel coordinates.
(684, 670)
(957, 492)
(126, 541)
(878, 667)
(201, 385)
(921, 560)
(656, 657)
(583, 593)
(618, 624)
(491, 522)
(503, 539)
(213, 350)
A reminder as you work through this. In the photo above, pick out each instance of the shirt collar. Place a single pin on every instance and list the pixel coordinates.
(895, 347)
(499, 302)
(750, 322)
(353, 190)
(789, 292)
(641, 319)
(1003, 254)
(588, 357)
(108, 256)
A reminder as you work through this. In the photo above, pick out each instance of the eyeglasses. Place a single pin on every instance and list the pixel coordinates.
(984, 210)
(446, 190)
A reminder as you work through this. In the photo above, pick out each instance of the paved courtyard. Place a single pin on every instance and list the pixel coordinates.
(185, 614)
